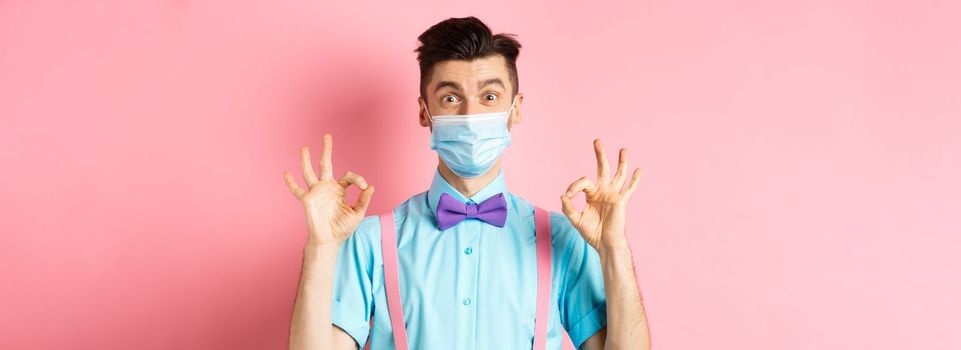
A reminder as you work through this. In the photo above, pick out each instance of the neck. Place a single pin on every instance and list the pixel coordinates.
(468, 187)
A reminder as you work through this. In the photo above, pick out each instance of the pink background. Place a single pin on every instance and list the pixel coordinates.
(801, 159)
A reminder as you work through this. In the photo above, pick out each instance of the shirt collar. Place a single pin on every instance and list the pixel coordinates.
(440, 185)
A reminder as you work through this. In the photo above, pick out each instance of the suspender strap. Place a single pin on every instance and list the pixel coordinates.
(542, 232)
(388, 243)
(388, 240)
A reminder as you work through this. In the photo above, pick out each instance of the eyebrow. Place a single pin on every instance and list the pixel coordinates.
(481, 85)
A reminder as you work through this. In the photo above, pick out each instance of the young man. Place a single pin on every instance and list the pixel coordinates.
(466, 257)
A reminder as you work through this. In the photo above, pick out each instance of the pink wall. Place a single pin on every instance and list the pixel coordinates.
(801, 160)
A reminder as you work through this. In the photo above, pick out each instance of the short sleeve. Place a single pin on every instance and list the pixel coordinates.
(352, 295)
(582, 301)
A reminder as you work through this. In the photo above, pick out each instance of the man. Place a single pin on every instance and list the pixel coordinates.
(466, 283)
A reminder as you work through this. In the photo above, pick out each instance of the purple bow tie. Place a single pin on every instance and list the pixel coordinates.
(451, 211)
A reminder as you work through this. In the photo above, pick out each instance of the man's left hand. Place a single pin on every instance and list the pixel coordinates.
(601, 223)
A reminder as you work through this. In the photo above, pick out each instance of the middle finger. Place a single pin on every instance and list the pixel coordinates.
(603, 170)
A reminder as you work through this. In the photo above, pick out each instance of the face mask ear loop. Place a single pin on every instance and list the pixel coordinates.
(429, 117)
(509, 112)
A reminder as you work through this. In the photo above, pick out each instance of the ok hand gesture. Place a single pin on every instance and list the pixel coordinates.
(601, 223)
(330, 220)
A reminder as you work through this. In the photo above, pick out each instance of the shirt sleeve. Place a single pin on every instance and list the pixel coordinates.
(582, 302)
(352, 295)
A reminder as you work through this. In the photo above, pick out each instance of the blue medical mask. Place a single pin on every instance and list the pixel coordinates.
(470, 143)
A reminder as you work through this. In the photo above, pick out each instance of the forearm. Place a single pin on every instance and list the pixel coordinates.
(626, 321)
(310, 326)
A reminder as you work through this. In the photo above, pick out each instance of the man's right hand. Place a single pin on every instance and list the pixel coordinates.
(330, 220)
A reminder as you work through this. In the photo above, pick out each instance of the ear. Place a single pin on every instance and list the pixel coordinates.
(422, 114)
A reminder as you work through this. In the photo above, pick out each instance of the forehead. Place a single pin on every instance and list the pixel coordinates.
(469, 73)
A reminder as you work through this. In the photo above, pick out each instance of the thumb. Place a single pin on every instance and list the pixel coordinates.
(567, 206)
(364, 200)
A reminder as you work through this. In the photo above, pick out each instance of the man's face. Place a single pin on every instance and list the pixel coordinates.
(461, 87)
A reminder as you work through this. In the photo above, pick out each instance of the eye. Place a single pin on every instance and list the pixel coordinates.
(490, 97)
(450, 98)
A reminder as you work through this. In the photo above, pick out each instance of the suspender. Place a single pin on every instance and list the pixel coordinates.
(388, 244)
(542, 234)
(542, 222)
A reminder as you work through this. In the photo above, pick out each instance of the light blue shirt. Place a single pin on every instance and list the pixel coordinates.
(472, 286)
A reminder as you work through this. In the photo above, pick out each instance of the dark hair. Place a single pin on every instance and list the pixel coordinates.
(464, 38)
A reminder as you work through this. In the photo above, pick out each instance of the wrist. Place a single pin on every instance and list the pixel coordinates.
(316, 246)
(619, 246)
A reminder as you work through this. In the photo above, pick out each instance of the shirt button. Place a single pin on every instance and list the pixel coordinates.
(468, 250)
(466, 302)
